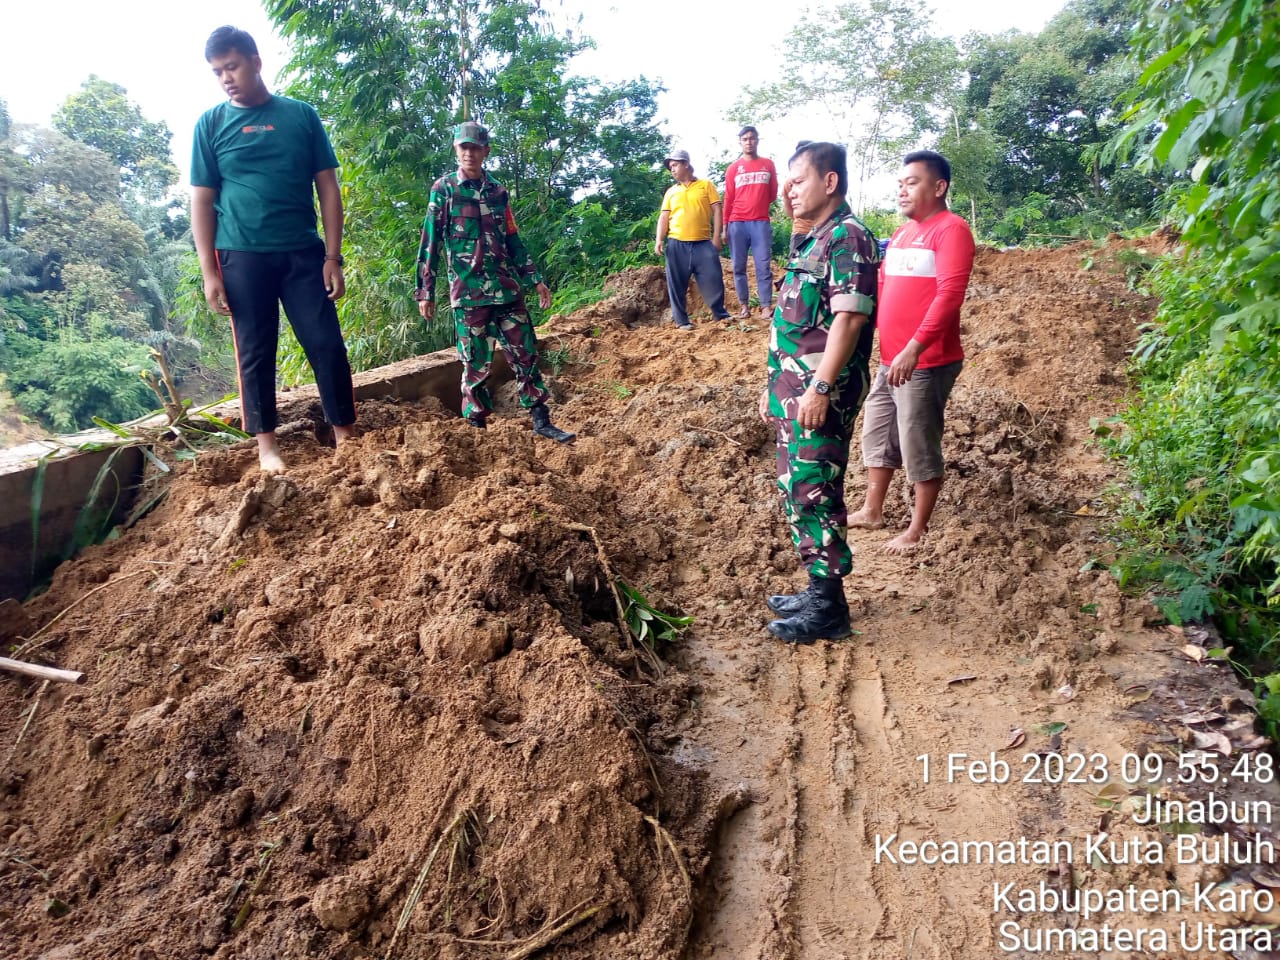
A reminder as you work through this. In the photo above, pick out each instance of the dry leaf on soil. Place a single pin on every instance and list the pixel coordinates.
(1137, 693)
(1017, 737)
(1197, 716)
(1211, 740)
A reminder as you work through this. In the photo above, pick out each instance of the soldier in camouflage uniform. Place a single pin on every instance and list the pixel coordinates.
(469, 215)
(819, 349)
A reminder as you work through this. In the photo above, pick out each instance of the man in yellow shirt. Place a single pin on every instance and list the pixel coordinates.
(689, 235)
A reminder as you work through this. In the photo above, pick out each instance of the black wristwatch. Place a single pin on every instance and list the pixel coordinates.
(336, 258)
(821, 387)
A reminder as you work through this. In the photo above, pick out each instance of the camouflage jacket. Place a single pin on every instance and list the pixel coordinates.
(834, 271)
(487, 260)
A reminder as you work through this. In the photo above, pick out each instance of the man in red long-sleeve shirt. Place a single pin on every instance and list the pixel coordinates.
(750, 187)
(922, 285)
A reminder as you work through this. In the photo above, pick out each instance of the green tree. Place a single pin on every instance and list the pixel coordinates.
(875, 69)
(19, 269)
(55, 160)
(101, 115)
(90, 262)
(77, 229)
(93, 303)
(1026, 134)
(11, 172)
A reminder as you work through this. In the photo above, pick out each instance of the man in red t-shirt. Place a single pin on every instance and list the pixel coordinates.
(922, 285)
(750, 186)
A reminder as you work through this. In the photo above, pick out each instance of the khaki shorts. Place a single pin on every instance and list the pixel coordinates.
(904, 424)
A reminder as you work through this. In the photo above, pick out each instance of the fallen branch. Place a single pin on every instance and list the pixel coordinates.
(721, 433)
(684, 873)
(631, 728)
(538, 941)
(610, 577)
(44, 673)
(415, 892)
(264, 863)
(675, 851)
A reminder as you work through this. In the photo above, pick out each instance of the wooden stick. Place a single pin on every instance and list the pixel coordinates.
(736, 443)
(603, 558)
(543, 938)
(546, 937)
(44, 673)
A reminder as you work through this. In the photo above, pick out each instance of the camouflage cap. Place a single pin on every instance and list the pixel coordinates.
(471, 132)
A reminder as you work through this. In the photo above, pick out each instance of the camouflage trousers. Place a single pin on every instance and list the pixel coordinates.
(811, 469)
(477, 328)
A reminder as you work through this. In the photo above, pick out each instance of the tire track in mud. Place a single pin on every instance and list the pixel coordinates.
(746, 915)
(827, 739)
(863, 782)
(842, 738)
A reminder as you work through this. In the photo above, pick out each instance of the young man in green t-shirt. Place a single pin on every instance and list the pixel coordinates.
(258, 162)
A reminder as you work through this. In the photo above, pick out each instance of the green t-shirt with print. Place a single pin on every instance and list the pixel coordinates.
(262, 161)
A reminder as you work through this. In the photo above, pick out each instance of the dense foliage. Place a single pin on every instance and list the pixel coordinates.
(1023, 117)
(1203, 440)
(89, 260)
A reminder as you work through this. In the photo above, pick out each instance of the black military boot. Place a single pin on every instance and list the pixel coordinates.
(825, 616)
(543, 427)
(789, 604)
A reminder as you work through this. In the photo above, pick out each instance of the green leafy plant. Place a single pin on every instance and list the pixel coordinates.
(1200, 524)
(648, 624)
(557, 357)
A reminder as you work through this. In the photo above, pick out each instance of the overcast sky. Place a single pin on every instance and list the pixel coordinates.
(154, 48)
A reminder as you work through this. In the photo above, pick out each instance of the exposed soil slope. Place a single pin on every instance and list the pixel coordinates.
(381, 707)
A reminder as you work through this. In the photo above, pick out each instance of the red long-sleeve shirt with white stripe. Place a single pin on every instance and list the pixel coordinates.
(922, 284)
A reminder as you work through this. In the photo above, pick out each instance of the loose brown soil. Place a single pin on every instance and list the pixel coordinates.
(381, 707)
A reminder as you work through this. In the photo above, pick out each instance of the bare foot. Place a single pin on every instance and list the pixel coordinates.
(269, 462)
(344, 433)
(864, 519)
(904, 542)
(269, 453)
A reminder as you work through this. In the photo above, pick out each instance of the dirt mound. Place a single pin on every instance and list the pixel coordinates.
(383, 706)
(398, 664)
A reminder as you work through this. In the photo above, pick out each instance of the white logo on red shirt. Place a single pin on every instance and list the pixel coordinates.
(745, 179)
(903, 262)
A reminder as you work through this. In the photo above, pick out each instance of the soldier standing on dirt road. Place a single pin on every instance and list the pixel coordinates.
(258, 162)
(922, 285)
(469, 216)
(819, 351)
